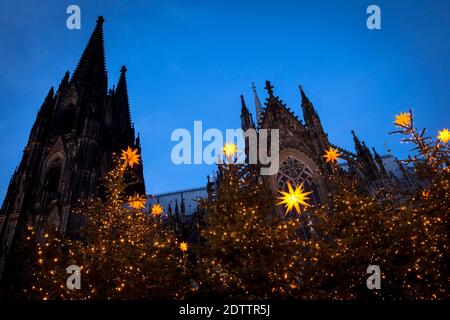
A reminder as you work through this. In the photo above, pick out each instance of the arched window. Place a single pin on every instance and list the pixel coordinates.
(294, 171)
(51, 181)
(68, 119)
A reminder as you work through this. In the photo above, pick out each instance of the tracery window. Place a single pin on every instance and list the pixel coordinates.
(68, 119)
(51, 181)
(296, 172)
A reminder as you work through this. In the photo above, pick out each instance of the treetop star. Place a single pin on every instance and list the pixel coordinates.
(444, 135)
(403, 119)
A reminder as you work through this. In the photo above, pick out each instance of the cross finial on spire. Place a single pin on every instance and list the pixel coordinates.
(123, 69)
(259, 111)
(304, 97)
(91, 68)
(269, 88)
(243, 102)
(100, 20)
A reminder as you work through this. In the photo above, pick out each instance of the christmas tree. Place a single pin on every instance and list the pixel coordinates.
(405, 233)
(425, 247)
(125, 252)
(249, 252)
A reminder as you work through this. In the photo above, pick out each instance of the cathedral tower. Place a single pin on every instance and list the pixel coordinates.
(70, 148)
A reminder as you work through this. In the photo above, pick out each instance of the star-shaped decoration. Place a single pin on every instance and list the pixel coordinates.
(444, 135)
(229, 149)
(131, 156)
(331, 155)
(137, 202)
(184, 246)
(157, 209)
(426, 194)
(403, 119)
(294, 198)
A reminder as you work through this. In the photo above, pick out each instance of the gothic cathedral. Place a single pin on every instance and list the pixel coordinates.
(77, 129)
(303, 145)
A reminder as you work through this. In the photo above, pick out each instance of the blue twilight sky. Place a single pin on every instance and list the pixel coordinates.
(190, 60)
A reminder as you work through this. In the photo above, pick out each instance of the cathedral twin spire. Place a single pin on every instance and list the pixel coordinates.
(121, 102)
(91, 75)
(70, 148)
(91, 70)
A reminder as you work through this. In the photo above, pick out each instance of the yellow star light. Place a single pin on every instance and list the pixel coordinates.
(229, 149)
(444, 135)
(184, 246)
(131, 156)
(403, 119)
(331, 155)
(294, 198)
(157, 209)
(137, 201)
(426, 194)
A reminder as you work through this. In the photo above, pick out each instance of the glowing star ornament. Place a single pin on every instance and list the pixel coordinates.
(403, 119)
(137, 201)
(157, 210)
(131, 156)
(332, 155)
(294, 198)
(184, 246)
(229, 149)
(444, 135)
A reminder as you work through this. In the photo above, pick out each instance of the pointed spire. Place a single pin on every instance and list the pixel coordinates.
(365, 147)
(246, 116)
(309, 112)
(47, 105)
(375, 153)
(169, 215)
(177, 211)
(244, 106)
(183, 211)
(121, 111)
(379, 162)
(177, 216)
(91, 70)
(138, 141)
(304, 97)
(43, 116)
(183, 208)
(269, 88)
(122, 97)
(358, 145)
(259, 110)
(50, 95)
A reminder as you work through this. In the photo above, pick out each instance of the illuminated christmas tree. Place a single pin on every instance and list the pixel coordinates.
(125, 252)
(249, 251)
(405, 234)
(425, 250)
